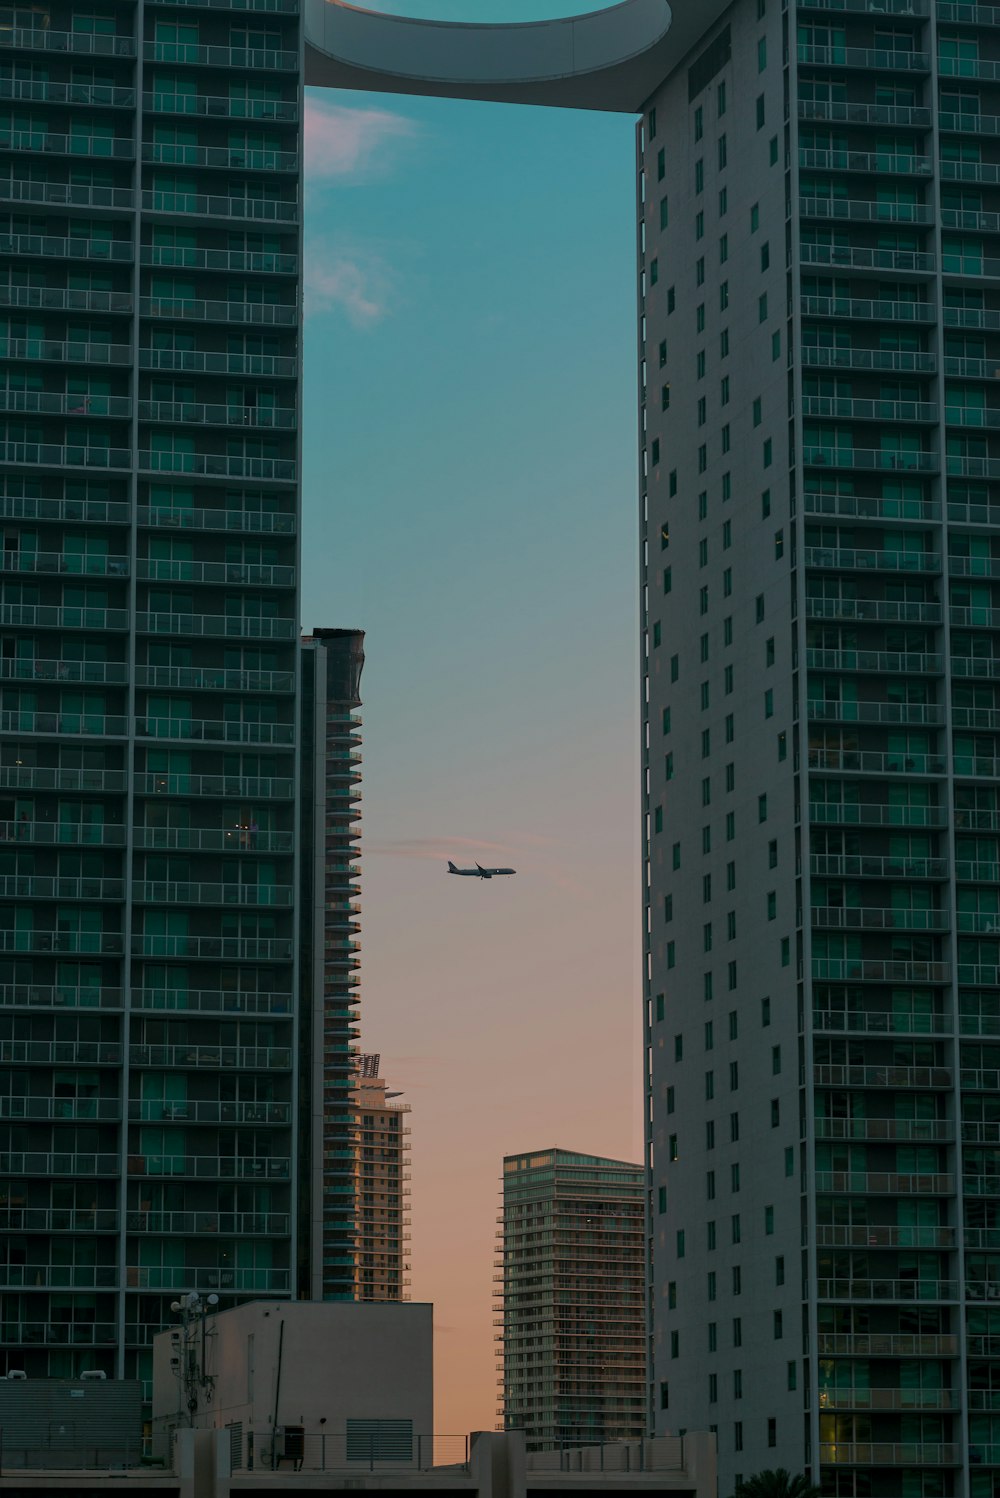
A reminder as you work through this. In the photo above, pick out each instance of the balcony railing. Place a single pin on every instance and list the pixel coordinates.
(65, 351)
(869, 309)
(214, 465)
(116, 148)
(209, 1112)
(59, 1220)
(841, 113)
(206, 1167)
(879, 1022)
(196, 361)
(867, 58)
(887, 1399)
(894, 1130)
(100, 725)
(214, 679)
(862, 257)
(40, 402)
(871, 866)
(234, 626)
(81, 1110)
(236, 787)
(261, 417)
(210, 1001)
(59, 1163)
(164, 102)
(46, 778)
(221, 948)
(861, 211)
(867, 814)
(34, 91)
(50, 616)
(877, 611)
(870, 560)
(886, 1345)
(255, 262)
(66, 194)
(60, 887)
(912, 713)
(874, 970)
(215, 205)
(214, 731)
(876, 661)
(885, 1183)
(192, 54)
(892, 1290)
(228, 158)
(871, 762)
(215, 839)
(889, 1454)
(838, 407)
(57, 247)
(60, 1053)
(60, 996)
(59, 1276)
(105, 673)
(896, 361)
(882, 163)
(880, 918)
(934, 1078)
(258, 522)
(880, 1236)
(82, 43)
(72, 455)
(245, 1224)
(866, 457)
(157, 892)
(91, 564)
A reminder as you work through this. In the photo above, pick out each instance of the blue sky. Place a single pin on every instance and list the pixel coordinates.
(470, 501)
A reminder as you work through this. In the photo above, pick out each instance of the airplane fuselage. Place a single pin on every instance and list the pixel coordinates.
(479, 872)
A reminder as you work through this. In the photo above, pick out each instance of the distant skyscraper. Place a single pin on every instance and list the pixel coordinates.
(571, 1300)
(330, 816)
(383, 1188)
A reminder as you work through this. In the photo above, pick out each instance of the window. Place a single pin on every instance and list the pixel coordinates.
(703, 601)
(664, 1394)
(672, 1295)
(713, 1388)
(706, 889)
(666, 720)
(710, 1236)
(734, 1176)
(699, 123)
(723, 249)
(762, 307)
(671, 1101)
(710, 1186)
(721, 99)
(709, 1035)
(674, 667)
(710, 1284)
(731, 874)
(772, 905)
(671, 299)
(672, 1150)
(707, 987)
(727, 582)
(776, 1061)
(713, 1339)
(658, 819)
(655, 451)
(731, 976)
(727, 487)
(727, 677)
(660, 1003)
(765, 256)
(772, 151)
(734, 1128)
(668, 909)
(706, 936)
(768, 695)
(762, 808)
(775, 1113)
(779, 545)
(703, 647)
(675, 1344)
(791, 1376)
(664, 397)
(668, 579)
(671, 954)
(706, 743)
(757, 412)
(730, 728)
(671, 491)
(765, 509)
(772, 1428)
(761, 54)
(668, 766)
(709, 1086)
(652, 124)
(702, 458)
(765, 1012)
(761, 8)
(703, 504)
(768, 1220)
(704, 692)
(730, 777)
(737, 1331)
(737, 1383)
(737, 1280)
(657, 634)
(754, 218)
(730, 826)
(664, 213)
(778, 1326)
(680, 1243)
(786, 951)
(699, 277)
(699, 174)
(710, 1134)
(699, 317)
(772, 854)
(779, 1269)
(700, 364)
(769, 651)
(702, 411)
(760, 608)
(731, 925)
(661, 1199)
(782, 746)
(723, 201)
(699, 228)
(706, 839)
(663, 352)
(760, 111)
(724, 391)
(776, 346)
(724, 343)
(678, 1047)
(723, 295)
(723, 152)
(654, 272)
(738, 1435)
(790, 1160)
(661, 165)
(734, 1076)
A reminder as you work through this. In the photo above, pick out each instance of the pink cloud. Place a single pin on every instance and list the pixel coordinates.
(344, 278)
(343, 142)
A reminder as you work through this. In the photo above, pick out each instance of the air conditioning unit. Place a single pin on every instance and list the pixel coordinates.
(18, 1374)
(92, 1374)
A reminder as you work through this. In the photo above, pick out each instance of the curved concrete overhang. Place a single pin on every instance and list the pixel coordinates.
(612, 59)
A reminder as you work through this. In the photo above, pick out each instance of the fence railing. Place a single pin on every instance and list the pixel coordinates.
(289, 1449)
(74, 1454)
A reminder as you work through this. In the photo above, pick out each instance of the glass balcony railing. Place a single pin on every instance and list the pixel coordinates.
(267, 210)
(209, 465)
(983, 68)
(208, 1167)
(212, 678)
(76, 564)
(865, 507)
(868, 458)
(99, 725)
(72, 455)
(973, 369)
(862, 211)
(862, 257)
(877, 1235)
(869, 310)
(870, 410)
(976, 468)
(199, 361)
(975, 666)
(155, 892)
(280, 315)
(192, 54)
(282, 111)
(47, 778)
(936, 1078)
(889, 1454)
(60, 1220)
(895, 163)
(60, 1052)
(956, 218)
(66, 194)
(877, 918)
(95, 673)
(982, 618)
(210, 1001)
(65, 299)
(893, 361)
(69, 351)
(46, 616)
(214, 1057)
(987, 172)
(48, 887)
(39, 91)
(82, 43)
(246, 1224)
(259, 522)
(839, 112)
(973, 416)
(877, 970)
(867, 814)
(255, 262)
(886, 1289)
(58, 247)
(236, 839)
(852, 559)
(261, 574)
(889, 1130)
(866, 58)
(878, 662)
(60, 1276)
(90, 834)
(272, 7)
(59, 1163)
(875, 866)
(235, 787)
(77, 943)
(268, 418)
(908, 8)
(973, 123)
(45, 1109)
(226, 626)
(41, 403)
(117, 148)
(191, 730)
(872, 762)
(226, 158)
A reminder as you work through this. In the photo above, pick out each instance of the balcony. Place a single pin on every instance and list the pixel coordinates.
(861, 257)
(934, 1078)
(862, 211)
(153, 892)
(285, 111)
(273, 7)
(215, 1057)
(59, 1163)
(979, 1079)
(210, 1001)
(112, 148)
(979, 417)
(59, 1276)
(875, 611)
(895, 163)
(869, 458)
(214, 679)
(925, 412)
(982, 68)
(281, 315)
(104, 673)
(259, 417)
(216, 206)
(879, 1183)
(913, 714)
(210, 1112)
(886, 1344)
(865, 58)
(254, 262)
(879, 918)
(840, 113)
(63, 996)
(69, 351)
(235, 839)
(846, 559)
(251, 59)
(235, 787)
(213, 465)
(94, 564)
(49, 887)
(206, 1167)
(240, 1281)
(227, 158)
(877, 1236)
(879, 1022)
(96, 725)
(56, 247)
(196, 361)
(245, 1224)
(891, 1290)
(226, 626)
(79, 43)
(875, 661)
(264, 575)
(893, 1130)
(871, 762)
(59, 1220)
(970, 872)
(888, 1399)
(868, 309)
(868, 866)
(33, 91)
(66, 194)
(73, 455)
(889, 1454)
(45, 778)
(217, 948)
(908, 8)
(984, 172)
(48, 616)
(38, 402)
(60, 1053)
(81, 1109)
(250, 522)
(873, 970)
(962, 512)
(215, 731)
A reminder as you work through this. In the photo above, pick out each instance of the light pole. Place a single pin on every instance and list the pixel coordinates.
(189, 1365)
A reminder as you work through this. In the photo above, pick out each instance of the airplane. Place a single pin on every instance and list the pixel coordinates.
(478, 872)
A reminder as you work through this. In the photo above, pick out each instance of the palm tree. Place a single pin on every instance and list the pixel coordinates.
(777, 1483)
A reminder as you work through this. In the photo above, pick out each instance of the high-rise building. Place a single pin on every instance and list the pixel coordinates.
(570, 1298)
(382, 1200)
(330, 821)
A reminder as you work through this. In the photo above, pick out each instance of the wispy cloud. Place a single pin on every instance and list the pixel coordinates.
(350, 144)
(345, 277)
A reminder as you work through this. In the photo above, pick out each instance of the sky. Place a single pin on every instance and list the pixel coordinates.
(470, 502)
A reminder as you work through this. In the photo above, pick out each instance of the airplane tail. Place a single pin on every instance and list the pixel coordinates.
(451, 867)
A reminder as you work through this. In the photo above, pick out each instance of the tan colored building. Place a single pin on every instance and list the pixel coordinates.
(383, 1194)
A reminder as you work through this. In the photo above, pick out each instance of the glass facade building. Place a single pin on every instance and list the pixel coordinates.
(570, 1287)
(819, 211)
(150, 234)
